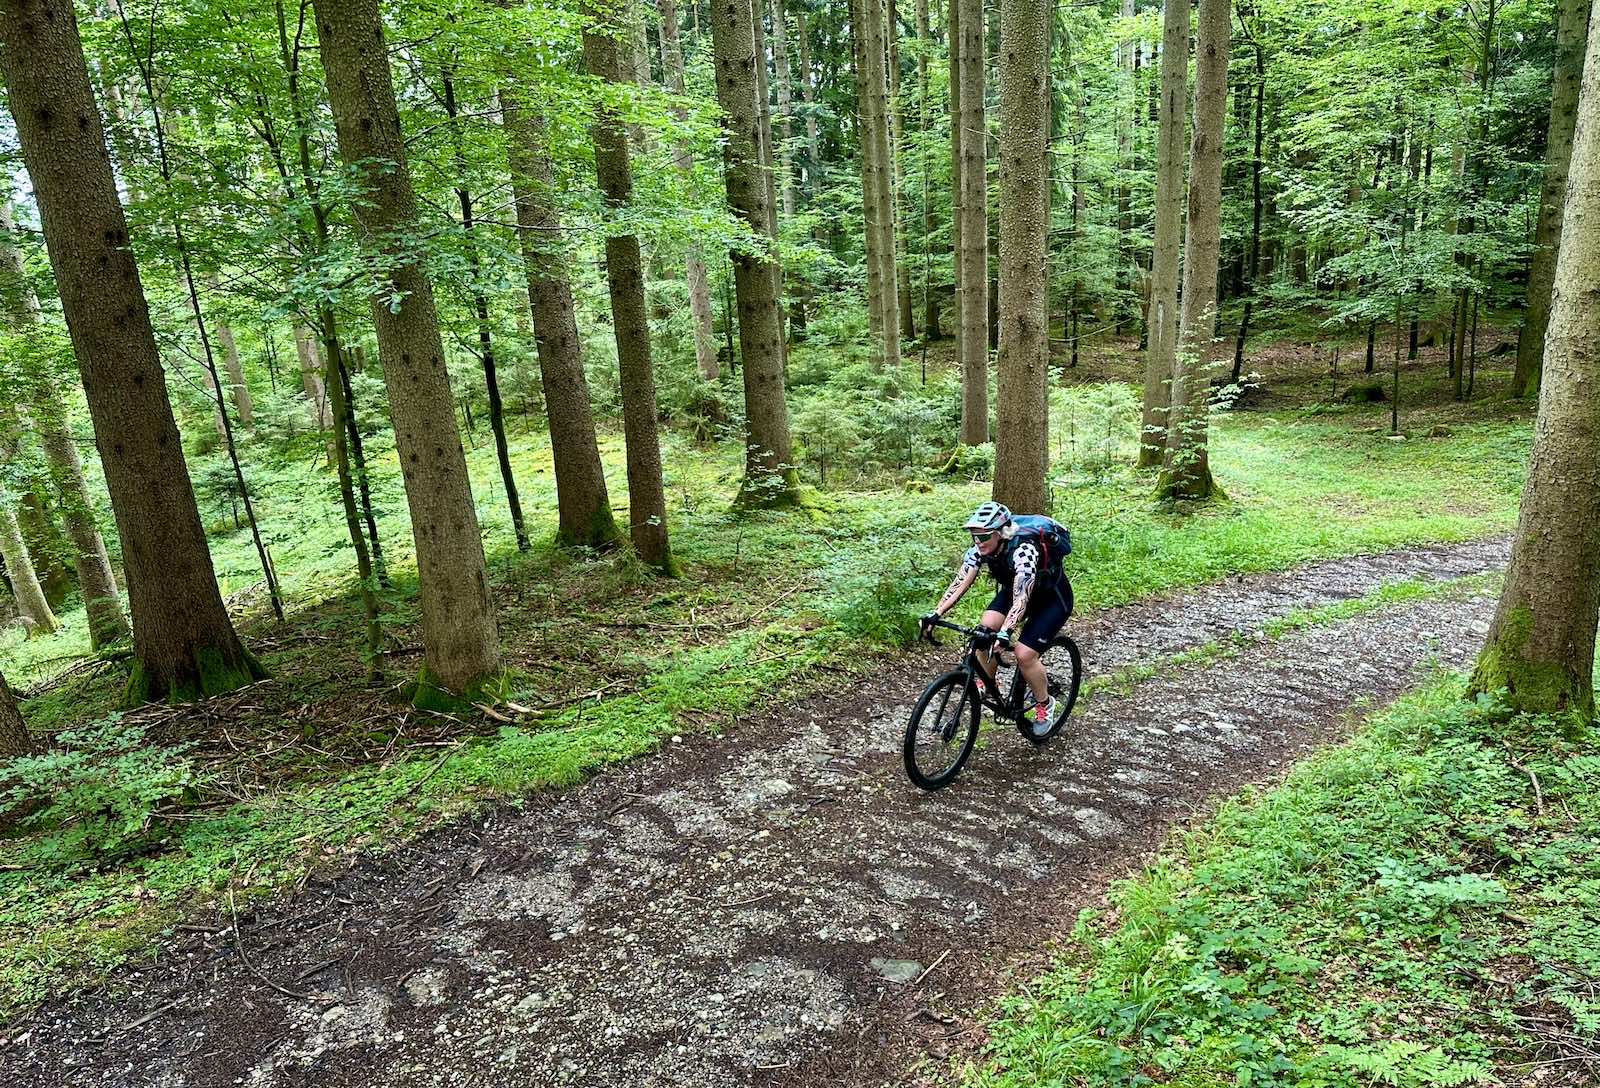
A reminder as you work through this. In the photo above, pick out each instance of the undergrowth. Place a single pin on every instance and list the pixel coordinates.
(1415, 908)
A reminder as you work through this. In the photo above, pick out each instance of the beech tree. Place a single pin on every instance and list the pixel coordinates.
(459, 634)
(770, 476)
(96, 581)
(1186, 468)
(184, 645)
(1540, 648)
(630, 321)
(15, 740)
(1023, 410)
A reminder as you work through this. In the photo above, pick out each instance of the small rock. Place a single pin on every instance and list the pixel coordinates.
(898, 971)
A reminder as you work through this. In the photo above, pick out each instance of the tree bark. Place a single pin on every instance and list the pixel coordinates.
(305, 347)
(770, 476)
(930, 300)
(459, 634)
(1571, 34)
(705, 337)
(1023, 410)
(31, 604)
(1161, 322)
(780, 63)
(96, 580)
(974, 286)
(238, 391)
(957, 253)
(184, 645)
(480, 307)
(881, 319)
(1186, 469)
(15, 740)
(584, 506)
(1255, 224)
(808, 96)
(895, 129)
(630, 320)
(1540, 647)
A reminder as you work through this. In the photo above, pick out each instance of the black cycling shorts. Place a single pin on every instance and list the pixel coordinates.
(1048, 609)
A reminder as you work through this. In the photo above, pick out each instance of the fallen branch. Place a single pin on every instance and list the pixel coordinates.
(930, 968)
(238, 943)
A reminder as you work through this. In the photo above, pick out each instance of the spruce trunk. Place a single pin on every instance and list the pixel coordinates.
(1186, 469)
(1023, 408)
(1161, 321)
(583, 504)
(770, 475)
(630, 321)
(184, 645)
(460, 640)
(1540, 647)
(974, 186)
(878, 310)
(1571, 34)
(699, 284)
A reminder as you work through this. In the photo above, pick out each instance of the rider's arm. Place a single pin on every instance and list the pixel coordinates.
(1026, 562)
(963, 582)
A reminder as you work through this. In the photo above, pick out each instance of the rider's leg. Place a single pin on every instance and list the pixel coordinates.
(1032, 670)
(992, 619)
(1038, 629)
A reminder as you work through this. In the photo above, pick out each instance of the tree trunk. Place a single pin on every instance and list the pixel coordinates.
(630, 320)
(1162, 319)
(780, 62)
(877, 194)
(31, 604)
(807, 95)
(1571, 34)
(769, 172)
(1023, 411)
(184, 645)
(1541, 646)
(15, 740)
(770, 476)
(957, 254)
(1127, 75)
(974, 286)
(705, 337)
(238, 391)
(460, 640)
(96, 580)
(480, 307)
(1186, 469)
(1255, 222)
(584, 506)
(305, 347)
(930, 300)
(894, 127)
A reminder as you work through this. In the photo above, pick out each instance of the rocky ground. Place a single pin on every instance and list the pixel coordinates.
(776, 905)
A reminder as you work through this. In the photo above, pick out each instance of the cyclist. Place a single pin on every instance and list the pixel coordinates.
(1034, 598)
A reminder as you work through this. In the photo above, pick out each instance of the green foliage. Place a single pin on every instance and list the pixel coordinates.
(1388, 916)
(96, 791)
(880, 601)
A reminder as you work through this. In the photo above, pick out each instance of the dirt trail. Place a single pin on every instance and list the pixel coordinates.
(773, 906)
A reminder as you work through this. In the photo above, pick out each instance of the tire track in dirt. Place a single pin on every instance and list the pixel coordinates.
(765, 907)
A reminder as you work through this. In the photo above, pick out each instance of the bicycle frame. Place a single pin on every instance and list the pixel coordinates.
(979, 638)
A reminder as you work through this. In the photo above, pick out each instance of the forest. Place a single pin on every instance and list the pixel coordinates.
(471, 473)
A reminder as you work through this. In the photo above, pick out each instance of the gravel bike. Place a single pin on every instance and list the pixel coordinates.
(944, 724)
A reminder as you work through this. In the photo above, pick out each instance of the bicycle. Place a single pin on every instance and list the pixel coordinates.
(936, 728)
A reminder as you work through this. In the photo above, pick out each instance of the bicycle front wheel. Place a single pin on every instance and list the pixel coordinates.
(942, 731)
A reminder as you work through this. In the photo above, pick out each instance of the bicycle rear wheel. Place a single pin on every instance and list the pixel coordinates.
(1063, 667)
(942, 731)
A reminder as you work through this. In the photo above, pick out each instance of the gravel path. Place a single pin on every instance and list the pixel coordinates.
(773, 906)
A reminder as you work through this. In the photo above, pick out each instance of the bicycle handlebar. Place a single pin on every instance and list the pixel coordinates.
(969, 632)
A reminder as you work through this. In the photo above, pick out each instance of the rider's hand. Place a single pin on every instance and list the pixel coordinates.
(927, 623)
(1003, 637)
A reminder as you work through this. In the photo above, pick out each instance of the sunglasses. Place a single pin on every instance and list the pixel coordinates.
(979, 538)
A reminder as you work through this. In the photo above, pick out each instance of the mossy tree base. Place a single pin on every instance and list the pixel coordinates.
(426, 693)
(601, 533)
(210, 672)
(1529, 686)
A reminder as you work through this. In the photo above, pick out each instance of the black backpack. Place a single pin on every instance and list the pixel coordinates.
(1053, 539)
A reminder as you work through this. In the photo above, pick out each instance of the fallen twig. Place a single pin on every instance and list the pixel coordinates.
(238, 943)
(160, 1010)
(930, 968)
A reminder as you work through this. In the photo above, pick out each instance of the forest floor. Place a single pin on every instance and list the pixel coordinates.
(775, 905)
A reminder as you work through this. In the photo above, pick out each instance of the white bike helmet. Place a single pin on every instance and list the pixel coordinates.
(989, 517)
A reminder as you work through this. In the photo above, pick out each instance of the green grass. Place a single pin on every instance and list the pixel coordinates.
(763, 599)
(1407, 909)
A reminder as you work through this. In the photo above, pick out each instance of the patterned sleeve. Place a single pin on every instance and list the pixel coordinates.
(963, 581)
(1026, 563)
